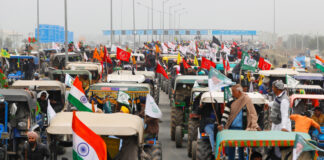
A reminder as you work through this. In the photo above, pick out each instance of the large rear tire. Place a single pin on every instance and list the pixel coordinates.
(204, 151)
(176, 120)
(192, 134)
(178, 136)
(167, 87)
(193, 150)
(156, 152)
(156, 94)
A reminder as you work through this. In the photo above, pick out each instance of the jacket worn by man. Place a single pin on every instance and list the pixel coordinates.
(250, 117)
(39, 153)
(280, 112)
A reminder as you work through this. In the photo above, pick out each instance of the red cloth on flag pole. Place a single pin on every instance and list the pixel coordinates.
(160, 69)
(263, 64)
(185, 64)
(106, 56)
(205, 63)
(123, 55)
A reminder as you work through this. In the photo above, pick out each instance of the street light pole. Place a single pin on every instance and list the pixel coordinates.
(134, 25)
(38, 42)
(66, 33)
(164, 1)
(152, 20)
(274, 21)
(111, 24)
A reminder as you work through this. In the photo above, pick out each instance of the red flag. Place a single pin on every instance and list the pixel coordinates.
(205, 63)
(160, 69)
(106, 56)
(185, 64)
(222, 46)
(263, 64)
(29, 40)
(123, 55)
(234, 43)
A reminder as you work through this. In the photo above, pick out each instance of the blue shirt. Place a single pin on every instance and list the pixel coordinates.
(238, 121)
(263, 89)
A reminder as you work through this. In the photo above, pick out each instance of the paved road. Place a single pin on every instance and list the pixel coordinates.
(170, 152)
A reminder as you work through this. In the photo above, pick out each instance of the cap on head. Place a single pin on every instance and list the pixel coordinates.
(32, 134)
(278, 84)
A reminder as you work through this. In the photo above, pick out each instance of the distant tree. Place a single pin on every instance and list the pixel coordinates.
(7, 43)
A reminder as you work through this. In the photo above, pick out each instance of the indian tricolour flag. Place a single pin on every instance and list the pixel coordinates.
(319, 63)
(87, 145)
(77, 97)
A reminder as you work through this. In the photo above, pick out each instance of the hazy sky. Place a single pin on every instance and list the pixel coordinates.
(90, 17)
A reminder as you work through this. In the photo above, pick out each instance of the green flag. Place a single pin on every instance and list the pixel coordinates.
(217, 80)
(4, 53)
(248, 63)
(302, 145)
(227, 94)
(38, 109)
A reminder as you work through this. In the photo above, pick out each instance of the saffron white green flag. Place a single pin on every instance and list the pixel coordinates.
(78, 98)
(291, 82)
(151, 108)
(87, 145)
(248, 63)
(123, 98)
(319, 63)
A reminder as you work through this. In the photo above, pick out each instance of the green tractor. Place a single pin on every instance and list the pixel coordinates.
(180, 102)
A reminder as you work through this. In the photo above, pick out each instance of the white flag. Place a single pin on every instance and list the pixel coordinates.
(123, 98)
(7, 63)
(85, 56)
(151, 108)
(68, 80)
(164, 48)
(50, 112)
(291, 82)
(251, 87)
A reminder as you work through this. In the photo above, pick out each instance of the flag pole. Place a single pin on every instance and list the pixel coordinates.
(214, 109)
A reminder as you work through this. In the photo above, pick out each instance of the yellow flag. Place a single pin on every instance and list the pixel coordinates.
(133, 59)
(179, 59)
(260, 80)
(196, 61)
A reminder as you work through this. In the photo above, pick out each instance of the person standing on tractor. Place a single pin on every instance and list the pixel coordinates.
(318, 116)
(242, 116)
(279, 108)
(33, 149)
(279, 114)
